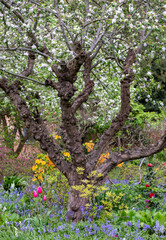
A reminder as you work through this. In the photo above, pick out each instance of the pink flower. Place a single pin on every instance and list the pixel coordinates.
(44, 198)
(146, 206)
(150, 165)
(39, 190)
(146, 200)
(35, 194)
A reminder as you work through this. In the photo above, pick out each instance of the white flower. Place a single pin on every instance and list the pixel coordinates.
(33, 46)
(114, 20)
(131, 8)
(49, 60)
(163, 48)
(131, 25)
(49, 69)
(149, 73)
(53, 51)
(164, 13)
(43, 65)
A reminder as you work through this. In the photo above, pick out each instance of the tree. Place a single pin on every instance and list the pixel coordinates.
(95, 41)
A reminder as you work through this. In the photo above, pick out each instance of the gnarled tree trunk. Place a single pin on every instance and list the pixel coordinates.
(76, 206)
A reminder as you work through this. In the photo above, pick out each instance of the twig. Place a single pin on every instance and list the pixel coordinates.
(23, 77)
(26, 49)
(62, 25)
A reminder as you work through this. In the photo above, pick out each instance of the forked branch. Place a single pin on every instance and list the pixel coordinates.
(122, 116)
(38, 130)
(128, 155)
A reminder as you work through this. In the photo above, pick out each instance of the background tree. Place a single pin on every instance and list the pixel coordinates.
(73, 48)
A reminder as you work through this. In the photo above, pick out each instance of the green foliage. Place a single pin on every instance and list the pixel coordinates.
(145, 217)
(138, 116)
(14, 182)
(5, 216)
(156, 88)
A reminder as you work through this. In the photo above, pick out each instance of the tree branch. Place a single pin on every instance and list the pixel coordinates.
(85, 21)
(128, 155)
(38, 130)
(31, 61)
(61, 25)
(82, 97)
(27, 49)
(122, 116)
(22, 77)
(18, 14)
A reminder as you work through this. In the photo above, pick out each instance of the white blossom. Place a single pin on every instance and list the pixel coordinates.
(49, 60)
(149, 73)
(164, 13)
(33, 46)
(114, 20)
(131, 25)
(131, 8)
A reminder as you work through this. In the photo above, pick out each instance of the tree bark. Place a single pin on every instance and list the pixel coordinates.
(76, 206)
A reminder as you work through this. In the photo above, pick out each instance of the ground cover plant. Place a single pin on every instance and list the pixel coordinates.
(121, 210)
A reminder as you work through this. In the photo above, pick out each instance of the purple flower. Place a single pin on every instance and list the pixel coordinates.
(128, 223)
(146, 227)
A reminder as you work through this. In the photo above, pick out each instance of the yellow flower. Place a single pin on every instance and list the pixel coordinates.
(57, 137)
(120, 165)
(41, 170)
(43, 162)
(34, 179)
(34, 167)
(157, 169)
(38, 161)
(40, 178)
(66, 154)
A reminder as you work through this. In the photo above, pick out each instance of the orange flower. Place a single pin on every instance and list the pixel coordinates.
(50, 163)
(89, 145)
(47, 157)
(103, 157)
(120, 165)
